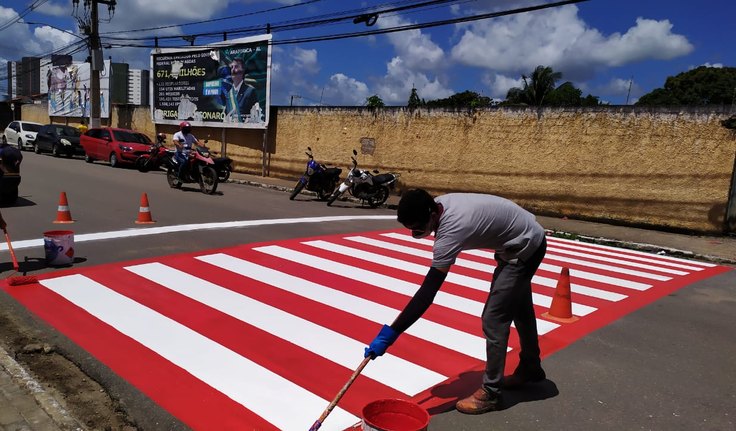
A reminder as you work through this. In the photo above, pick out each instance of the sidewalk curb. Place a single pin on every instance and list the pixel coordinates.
(58, 414)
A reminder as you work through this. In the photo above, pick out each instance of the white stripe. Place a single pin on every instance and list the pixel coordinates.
(489, 255)
(129, 233)
(63, 208)
(144, 210)
(459, 341)
(542, 325)
(538, 279)
(621, 262)
(454, 302)
(645, 257)
(255, 387)
(390, 370)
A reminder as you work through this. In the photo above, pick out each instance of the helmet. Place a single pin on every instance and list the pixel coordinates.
(185, 127)
(161, 137)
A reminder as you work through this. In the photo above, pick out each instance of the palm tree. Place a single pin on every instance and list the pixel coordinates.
(540, 84)
(536, 87)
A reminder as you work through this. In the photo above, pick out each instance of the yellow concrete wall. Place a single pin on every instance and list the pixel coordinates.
(666, 168)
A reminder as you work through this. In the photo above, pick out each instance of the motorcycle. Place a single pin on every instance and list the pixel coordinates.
(362, 184)
(223, 166)
(158, 156)
(200, 169)
(317, 178)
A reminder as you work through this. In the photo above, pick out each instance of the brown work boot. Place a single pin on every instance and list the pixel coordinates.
(480, 402)
(519, 379)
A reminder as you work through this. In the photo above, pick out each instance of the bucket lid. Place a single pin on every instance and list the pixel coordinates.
(58, 233)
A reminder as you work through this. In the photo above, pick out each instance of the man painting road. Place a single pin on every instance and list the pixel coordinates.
(237, 96)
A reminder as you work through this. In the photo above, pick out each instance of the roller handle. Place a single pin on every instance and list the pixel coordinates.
(344, 389)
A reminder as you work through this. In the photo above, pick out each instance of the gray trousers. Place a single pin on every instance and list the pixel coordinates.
(510, 300)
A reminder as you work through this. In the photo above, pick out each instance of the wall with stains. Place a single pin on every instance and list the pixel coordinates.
(667, 168)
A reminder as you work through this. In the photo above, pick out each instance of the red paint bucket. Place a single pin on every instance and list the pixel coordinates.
(394, 415)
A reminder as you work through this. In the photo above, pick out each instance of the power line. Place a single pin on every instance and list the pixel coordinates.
(386, 30)
(30, 8)
(304, 3)
(319, 20)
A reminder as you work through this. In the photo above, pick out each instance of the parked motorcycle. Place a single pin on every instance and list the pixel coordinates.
(362, 184)
(200, 169)
(158, 156)
(317, 178)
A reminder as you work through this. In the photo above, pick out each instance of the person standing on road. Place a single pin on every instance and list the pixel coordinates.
(184, 140)
(465, 221)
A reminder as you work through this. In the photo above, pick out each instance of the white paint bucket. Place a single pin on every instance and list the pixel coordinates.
(59, 247)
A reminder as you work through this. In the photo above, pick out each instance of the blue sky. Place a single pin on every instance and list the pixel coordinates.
(604, 47)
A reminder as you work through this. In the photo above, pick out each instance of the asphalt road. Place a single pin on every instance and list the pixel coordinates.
(667, 366)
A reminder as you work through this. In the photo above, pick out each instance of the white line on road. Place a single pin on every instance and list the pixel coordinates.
(129, 233)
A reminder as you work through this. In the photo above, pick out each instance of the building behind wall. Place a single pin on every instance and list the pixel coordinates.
(138, 87)
(14, 79)
(30, 70)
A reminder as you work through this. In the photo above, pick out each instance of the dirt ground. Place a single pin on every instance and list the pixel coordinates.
(85, 399)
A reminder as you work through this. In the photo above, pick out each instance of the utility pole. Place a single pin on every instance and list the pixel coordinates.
(293, 96)
(95, 52)
(631, 81)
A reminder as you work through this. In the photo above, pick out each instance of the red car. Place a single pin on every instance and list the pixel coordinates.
(118, 146)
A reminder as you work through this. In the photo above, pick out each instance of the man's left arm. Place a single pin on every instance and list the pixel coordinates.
(416, 307)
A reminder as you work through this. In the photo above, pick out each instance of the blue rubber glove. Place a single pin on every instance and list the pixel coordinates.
(383, 341)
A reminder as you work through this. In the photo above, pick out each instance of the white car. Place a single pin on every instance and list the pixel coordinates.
(21, 134)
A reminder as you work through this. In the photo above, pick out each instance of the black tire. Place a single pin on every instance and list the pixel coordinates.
(225, 175)
(55, 150)
(88, 159)
(141, 163)
(114, 160)
(208, 180)
(297, 189)
(324, 194)
(171, 178)
(332, 197)
(379, 198)
(5, 140)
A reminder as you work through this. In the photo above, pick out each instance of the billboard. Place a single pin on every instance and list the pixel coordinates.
(224, 85)
(69, 90)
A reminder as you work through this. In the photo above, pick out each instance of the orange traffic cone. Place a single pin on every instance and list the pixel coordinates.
(144, 212)
(63, 215)
(561, 309)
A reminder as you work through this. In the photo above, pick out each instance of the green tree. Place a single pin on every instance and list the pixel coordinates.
(466, 99)
(374, 102)
(700, 86)
(536, 87)
(564, 95)
(414, 100)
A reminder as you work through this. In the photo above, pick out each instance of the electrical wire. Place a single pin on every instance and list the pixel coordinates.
(30, 8)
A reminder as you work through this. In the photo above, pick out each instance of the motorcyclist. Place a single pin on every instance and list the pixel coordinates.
(184, 140)
(10, 158)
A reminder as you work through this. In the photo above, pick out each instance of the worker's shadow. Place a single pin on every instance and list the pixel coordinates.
(467, 383)
(32, 264)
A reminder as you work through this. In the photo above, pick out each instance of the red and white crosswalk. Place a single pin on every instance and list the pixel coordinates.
(263, 336)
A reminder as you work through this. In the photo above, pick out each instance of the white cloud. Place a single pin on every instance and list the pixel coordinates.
(500, 84)
(619, 87)
(343, 90)
(715, 65)
(306, 60)
(562, 40)
(52, 39)
(395, 87)
(55, 9)
(415, 48)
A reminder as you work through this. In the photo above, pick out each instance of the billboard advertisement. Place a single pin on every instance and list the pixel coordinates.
(69, 90)
(224, 85)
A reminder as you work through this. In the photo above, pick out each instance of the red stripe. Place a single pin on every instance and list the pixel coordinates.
(183, 395)
(416, 350)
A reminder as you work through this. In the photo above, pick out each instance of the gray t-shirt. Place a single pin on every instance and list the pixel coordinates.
(471, 221)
